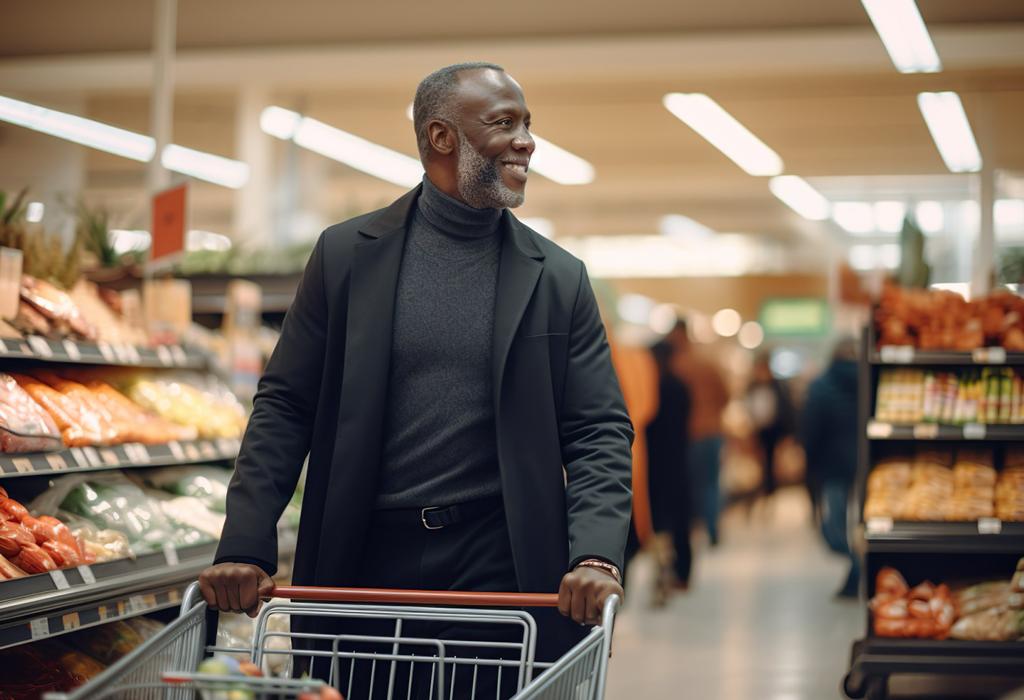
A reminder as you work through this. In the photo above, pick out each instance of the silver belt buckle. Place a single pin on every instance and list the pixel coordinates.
(423, 518)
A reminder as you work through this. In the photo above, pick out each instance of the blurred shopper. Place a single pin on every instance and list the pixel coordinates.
(828, 431)
(447, 371)
(771, 412)
(708, 399)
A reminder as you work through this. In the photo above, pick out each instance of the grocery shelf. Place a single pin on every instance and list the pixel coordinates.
(84, 459)
(990, 535)
(900, 355)
(47, 605)
(74, 352)
(874, 659)
(884, 430)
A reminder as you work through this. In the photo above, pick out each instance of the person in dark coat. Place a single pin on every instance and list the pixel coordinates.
(667, 445)
(771, 410)
(448, 374)
(828, 432)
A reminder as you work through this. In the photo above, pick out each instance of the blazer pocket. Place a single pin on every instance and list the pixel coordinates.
(543, 335)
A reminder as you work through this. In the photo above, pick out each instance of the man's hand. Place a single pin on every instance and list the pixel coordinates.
(583, 593)
(237, 588)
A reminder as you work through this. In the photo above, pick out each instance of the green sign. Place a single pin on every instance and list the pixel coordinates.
(806, 317)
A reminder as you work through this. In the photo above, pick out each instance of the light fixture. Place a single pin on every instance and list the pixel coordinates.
(889, 216)
(683, 228)
(800, 197)
(544, 227)
(124, 143)
(944, 114)
(903, 32)
(1008, 213)
(553, 162)
(336, 144)
(751, 335)
(34, 212)
(205, 166)
(663, 318)
(724, 132)
(857, 218)
(726, 322)
(87, 132)
(930, 216)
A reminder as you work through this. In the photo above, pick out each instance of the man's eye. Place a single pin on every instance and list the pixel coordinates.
(505, 122)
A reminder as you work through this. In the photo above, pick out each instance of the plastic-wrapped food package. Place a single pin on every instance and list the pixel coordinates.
(145, 627)
(35, 545)
(56, 306)
(187, 511)
(139, 425)
(91, 412)
(100, 544)
(77, 424)
(8, 570)
(110, 325)
(108, 643)
(24, 425)
(208, 484)
(189, 399)
(31, 670)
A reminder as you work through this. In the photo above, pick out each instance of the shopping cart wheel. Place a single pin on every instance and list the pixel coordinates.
(853, 685)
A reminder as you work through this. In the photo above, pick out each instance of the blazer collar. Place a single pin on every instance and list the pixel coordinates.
(396, 216)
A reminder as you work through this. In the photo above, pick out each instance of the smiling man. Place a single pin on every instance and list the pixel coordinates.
(447, 372)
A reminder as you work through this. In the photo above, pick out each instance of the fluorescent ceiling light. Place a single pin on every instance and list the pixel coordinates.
(899, 24)
(553, 162)
(70, 127)
(353, 151)
(855, 217)
(1009, 213)
(544, 227)
(930, 216)
(121, 142)
(944, 114)
(707, 118)
(205, 166)
(34, 212)
(683, 228)
(800, 197)
(889, 216)
(870, 257)
(727, 322)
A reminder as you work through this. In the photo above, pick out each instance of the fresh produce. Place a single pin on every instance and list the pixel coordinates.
(24, 425)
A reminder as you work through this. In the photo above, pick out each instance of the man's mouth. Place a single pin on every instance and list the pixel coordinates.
(517, 168)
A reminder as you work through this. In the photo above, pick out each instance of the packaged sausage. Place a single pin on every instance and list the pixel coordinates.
(90, 412)
(33, 559)
(78, 425)
(57, 307)
(8, 570)
(24, 425)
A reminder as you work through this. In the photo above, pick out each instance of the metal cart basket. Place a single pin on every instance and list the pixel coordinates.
(397, 659)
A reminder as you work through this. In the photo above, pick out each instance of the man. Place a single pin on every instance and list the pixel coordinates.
(447, 371)
(709, 397)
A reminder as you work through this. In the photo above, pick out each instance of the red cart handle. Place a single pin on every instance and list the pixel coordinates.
(402, 597)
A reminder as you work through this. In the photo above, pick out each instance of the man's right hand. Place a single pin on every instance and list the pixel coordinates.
(237, 588)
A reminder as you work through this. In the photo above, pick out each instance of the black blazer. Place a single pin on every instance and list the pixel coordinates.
(563, 432)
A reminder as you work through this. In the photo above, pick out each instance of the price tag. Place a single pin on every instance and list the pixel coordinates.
(121, 608)
(974, 431)
(71, 621)
(23, 465)
(171, 554)
(989, 526)
(897, 354)
(56, 462)
(179, 356)
(60, 580)
(3, 347)
(176, 451)
(989, 356)
(174, 595)
(107, 351)
(72, 351)
(926, 431)
(164, 355)
(40, 347)
(24, 350)
(109, 458)
(39, 628)
(137, 453)
(192, 452)
(87, 575)
(103, 611)
(121, 353)
(879, 526)
(224, 446)
(133, 355)
(208, 450)
(879, 430)
(79, 457)
(92, 456)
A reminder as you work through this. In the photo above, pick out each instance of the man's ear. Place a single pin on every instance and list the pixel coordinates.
(442, 137)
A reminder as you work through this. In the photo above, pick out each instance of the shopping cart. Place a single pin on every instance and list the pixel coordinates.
(165, 667)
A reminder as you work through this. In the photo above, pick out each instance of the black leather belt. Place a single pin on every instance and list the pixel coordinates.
(439, 517)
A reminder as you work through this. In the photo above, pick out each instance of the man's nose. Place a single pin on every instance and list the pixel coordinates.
(524, 142)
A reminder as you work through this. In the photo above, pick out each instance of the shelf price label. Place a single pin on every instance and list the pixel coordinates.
(71, 621)
(179, 356)
(171, 554)
(23, 465)
(87, 575)
(926, 431)
(879, 430)
(989, 356)
(974, 431)
(60, 580)
(192, 452)
(176, 451)
(207, 449)
(72, 351)
(989, 526)
(79, 456)
(56, 462)
(879, 525)
(109, 458)
(40, 347)
(164, 355)
(897, 354)
(92, 456)
(39, 628)
(107, 351)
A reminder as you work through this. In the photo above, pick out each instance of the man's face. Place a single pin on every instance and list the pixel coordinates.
(494, 140)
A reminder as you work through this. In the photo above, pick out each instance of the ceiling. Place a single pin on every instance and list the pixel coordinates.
(810, 78)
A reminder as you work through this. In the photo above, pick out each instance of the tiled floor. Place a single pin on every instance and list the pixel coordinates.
(759, 623)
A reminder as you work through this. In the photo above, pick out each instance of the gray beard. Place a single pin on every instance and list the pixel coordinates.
(480, 184)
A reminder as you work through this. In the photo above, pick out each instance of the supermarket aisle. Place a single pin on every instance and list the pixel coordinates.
(760, 621)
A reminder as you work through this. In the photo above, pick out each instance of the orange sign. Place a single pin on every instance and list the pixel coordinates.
(168, 223)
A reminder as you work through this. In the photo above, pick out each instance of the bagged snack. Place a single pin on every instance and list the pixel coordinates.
(24, 425)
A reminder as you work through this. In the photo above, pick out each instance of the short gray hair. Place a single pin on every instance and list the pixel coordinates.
(434, 99)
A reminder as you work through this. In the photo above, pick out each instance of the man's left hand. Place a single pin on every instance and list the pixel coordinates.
(583, 593)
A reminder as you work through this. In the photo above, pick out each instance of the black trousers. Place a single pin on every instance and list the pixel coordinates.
(469, 556)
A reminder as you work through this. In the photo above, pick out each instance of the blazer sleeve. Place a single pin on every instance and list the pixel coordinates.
(278, 436)
(596, 438)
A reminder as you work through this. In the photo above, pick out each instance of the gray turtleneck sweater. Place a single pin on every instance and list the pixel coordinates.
(439, 435)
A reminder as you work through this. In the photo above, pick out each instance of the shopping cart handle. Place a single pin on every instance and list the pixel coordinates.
(403, 597)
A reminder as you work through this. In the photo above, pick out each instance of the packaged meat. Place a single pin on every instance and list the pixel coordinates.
(24, 425)
(990, 626)
(99, 544)
(8, 569)
(138, 425)
(57, 307)
(145, 627)
(32, 670)
(106, 644)
(33, 559)
(890, 581)
(77, 426)
(82, 666)
(90, 412)
(12, 509)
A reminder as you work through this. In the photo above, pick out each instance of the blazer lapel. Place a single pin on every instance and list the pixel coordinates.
(518, 272)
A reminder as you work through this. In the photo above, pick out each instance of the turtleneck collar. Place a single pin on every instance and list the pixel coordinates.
(453, 217)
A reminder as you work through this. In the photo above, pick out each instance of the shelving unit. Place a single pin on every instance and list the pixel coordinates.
(48, 605)
(927, 549)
